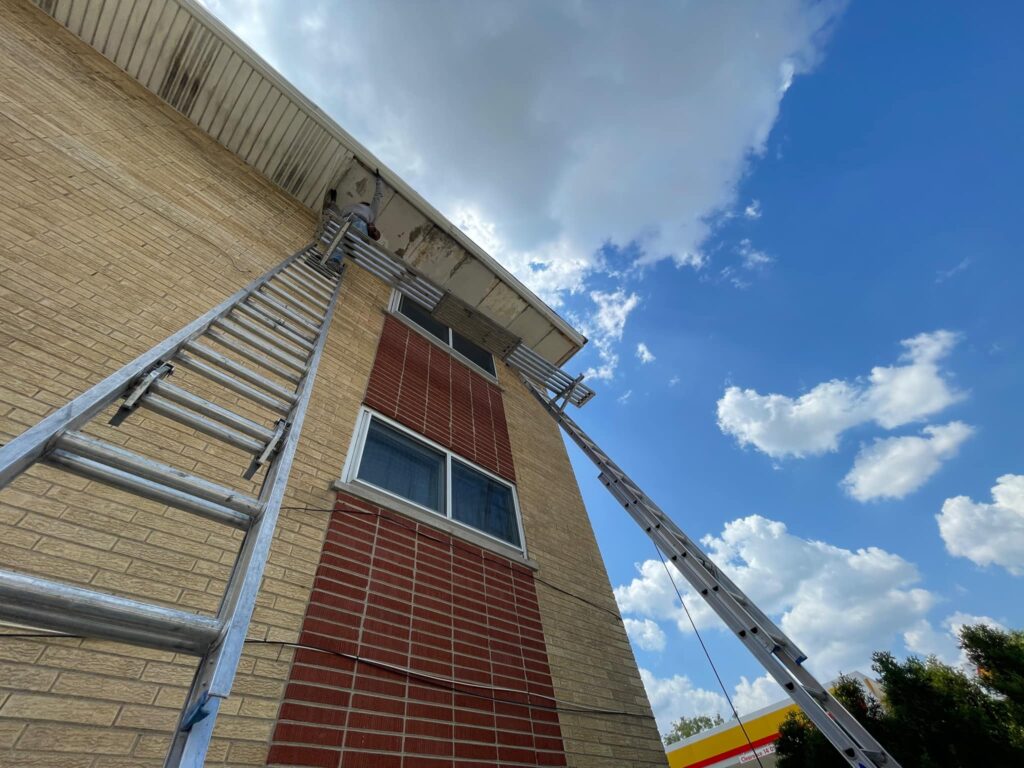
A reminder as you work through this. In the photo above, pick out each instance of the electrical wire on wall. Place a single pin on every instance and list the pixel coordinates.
(447, 683)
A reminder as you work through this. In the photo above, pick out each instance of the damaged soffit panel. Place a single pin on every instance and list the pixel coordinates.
(180, 52)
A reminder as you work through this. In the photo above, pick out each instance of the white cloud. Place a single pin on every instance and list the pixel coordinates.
(752, 695)
(944, 274)
(645, 634)
(839, 605)
(675, 697)
(780, 425)
(644, 353)
(924, 639)
(753, 210)
(605, 326)
(624, 397)
(553, 120)
(987, 534)
(673, 381)
(753, 258)
(893, 467)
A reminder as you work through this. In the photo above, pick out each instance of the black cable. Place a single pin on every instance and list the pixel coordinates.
(707, 653)
(449, 684)
(418, 532)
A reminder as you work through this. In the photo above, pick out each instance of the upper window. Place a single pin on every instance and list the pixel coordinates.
(393, 460)
(477, 355)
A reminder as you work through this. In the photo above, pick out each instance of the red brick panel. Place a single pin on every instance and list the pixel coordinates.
(422, 386)
(384, 592)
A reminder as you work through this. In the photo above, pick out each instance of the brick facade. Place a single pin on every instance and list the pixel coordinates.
(120, 222)
(422, 386)
(385, 591)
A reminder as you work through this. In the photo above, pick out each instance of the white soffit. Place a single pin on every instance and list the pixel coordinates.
(181, 53)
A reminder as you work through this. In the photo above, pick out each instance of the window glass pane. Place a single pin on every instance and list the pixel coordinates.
(471, 351)
(483, 503)
(404, 466)
(422, 318)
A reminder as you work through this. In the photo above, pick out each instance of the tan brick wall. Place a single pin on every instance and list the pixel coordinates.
(592, 664)
(119, 223)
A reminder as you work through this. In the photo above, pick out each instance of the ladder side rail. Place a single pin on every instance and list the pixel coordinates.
(722, 580)
(812, 699)
(28, 447)
(216, 672)
(636, 495)
(842, 730)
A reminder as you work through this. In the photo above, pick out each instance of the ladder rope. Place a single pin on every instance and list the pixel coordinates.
(707, 654)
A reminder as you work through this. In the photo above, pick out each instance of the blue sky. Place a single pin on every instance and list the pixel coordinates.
(772, 198)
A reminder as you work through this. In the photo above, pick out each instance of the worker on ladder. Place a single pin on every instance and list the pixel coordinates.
(360, 216)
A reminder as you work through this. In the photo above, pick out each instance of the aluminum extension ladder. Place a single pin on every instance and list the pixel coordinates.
(279, 324)
(767, 642)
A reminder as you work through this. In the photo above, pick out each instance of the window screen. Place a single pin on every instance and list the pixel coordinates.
(483, 503)
(403, 466)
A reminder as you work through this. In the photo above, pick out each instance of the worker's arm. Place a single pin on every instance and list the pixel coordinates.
(378, 196)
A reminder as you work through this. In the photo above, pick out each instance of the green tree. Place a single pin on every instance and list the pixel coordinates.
(934, 715)
(999, 659)
(685, 727)
(800, 745)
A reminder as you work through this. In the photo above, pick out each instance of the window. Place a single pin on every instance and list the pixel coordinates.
(476, 355)
(391, 459)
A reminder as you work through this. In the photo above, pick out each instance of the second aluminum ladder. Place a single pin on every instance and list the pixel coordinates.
(767, 642)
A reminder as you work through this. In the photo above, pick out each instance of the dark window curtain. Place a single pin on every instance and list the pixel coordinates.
(483, 503)
(422, 318)
(403, 466)
(471, 351)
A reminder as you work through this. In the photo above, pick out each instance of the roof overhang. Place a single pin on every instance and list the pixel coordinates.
(185, 56)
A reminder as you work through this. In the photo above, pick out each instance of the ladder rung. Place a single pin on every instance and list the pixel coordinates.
(134, 463)
(243, 351)
(232, 383)
(275, 324)
(244, 322)
(239, 370)
(296, 277)
(280, 308)
(313, 266)
(256, 338)
(315, 300)
(142, 486)
(65, 608)
(190, 400)
(310, 266)
(190, 418)
(278, 289)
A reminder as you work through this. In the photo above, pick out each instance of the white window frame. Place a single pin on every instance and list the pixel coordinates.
(350, 474)
(449, 347)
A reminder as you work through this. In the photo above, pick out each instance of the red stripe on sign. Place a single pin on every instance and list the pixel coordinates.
(733, 752)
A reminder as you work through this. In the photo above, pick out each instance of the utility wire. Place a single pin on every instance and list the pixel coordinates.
(447, 683)
(707, 653)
